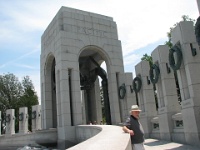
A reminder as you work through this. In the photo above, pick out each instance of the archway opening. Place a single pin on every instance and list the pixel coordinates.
(50, 79)
(95, 109)
(53, 88)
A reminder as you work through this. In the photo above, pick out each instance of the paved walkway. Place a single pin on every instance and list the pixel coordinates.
(153, 144)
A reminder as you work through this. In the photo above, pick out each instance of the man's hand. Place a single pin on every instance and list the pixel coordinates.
(131, 132)
(127, 130)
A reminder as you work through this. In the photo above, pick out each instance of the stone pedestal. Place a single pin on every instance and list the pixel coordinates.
(146, 97)
(189, 81)
(36, 118)
(23, 120)
(10, 121)
(166, 92)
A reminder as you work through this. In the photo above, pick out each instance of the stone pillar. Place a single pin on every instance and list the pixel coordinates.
(189, 81)
(36, 118)
(10, 121)
(130, 98)
(76, 94)
(83, 108)
(0, 122)
(121, 99)
(23, 120)
(114, 99)
(146, 97)
(166, 92)
(98, 101)
(46, 94)
(66, 87)
(95, 103)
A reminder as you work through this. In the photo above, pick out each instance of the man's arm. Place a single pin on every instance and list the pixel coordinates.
(127, 130)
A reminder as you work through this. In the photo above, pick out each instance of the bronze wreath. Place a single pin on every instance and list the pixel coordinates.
(137, 84)
(21, 116)
(176, 49)
(8, 118)
(33, 115)
(122, 91)
(154, 78)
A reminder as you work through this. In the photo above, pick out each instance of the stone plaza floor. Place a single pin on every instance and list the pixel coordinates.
(153, 144)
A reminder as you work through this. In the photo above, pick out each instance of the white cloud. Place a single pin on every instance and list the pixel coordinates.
(11, 62)
(131, 59)
(149, 21)
(24, 66)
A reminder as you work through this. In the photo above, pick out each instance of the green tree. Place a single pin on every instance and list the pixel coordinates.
(29, 97)
(147, 58)
(15, 94)
(10, 92)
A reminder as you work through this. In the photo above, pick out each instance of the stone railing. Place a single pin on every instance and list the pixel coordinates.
(100, 137)
(89, 137)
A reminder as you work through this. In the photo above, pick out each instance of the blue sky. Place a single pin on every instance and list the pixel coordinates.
(142, 26)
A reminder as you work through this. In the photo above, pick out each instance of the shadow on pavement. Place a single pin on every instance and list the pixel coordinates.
(154, 144)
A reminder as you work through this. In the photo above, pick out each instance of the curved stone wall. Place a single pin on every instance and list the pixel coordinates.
(89, 137)
(100, 137)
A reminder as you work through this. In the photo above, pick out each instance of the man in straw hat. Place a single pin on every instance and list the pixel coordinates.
(135, 129)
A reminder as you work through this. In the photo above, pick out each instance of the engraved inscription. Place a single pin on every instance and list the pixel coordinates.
(91, 31)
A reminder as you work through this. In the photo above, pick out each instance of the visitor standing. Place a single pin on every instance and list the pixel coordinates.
(135, 129)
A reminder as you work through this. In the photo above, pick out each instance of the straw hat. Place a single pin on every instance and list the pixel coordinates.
(135, 108)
